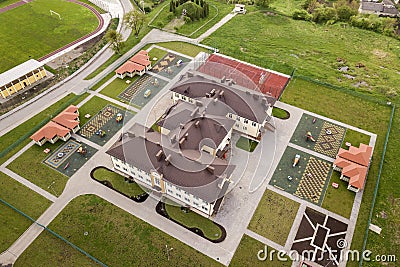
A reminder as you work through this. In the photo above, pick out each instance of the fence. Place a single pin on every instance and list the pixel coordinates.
(377, 184)
(53, 233)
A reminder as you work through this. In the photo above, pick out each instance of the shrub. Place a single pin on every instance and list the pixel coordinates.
(301, 14)
(324, 14)
(344, 13)
(187, 19)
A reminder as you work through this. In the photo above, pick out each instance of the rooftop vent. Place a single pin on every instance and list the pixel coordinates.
(210, 169)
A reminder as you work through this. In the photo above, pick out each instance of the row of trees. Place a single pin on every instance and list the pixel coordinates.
(345, 11)
(134, 20)
(194, 9)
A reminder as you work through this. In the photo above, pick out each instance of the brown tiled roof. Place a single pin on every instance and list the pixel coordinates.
(129, 66)
(49, 131)
(68, 117)
(361, 155)
(356, 173)
(142, 59)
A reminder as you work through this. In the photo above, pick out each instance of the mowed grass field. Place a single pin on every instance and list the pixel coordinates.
(113, 236)
(29, 31)
(284, 44)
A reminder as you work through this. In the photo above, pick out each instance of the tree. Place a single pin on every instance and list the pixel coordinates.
(135, 19)
(115, 38)
(263, 3)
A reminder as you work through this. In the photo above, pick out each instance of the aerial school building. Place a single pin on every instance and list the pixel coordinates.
(185, 160)
(20, 77)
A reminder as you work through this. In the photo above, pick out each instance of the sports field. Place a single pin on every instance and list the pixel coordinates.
(29, 31)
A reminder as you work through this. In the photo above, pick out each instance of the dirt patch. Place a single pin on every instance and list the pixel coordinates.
(379, 53)
(174, 24)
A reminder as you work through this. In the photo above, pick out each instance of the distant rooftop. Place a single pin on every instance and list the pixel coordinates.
(18, 71)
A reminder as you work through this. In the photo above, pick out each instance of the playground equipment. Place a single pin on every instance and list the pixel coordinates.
(147, 93)
(81, 151)
(66, 166)
(296, 160)
(119, 118)
(179, 63)
(101, 133)
(290, 178)
(309, 137)
(314, 120)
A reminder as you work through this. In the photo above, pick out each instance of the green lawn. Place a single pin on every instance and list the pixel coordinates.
(114, 237)
(102, 81)
(280, 113)
(267, 220)
(338, 200)
(246, 255)
(246, 144)
(118, 86)
(118, 182)
(217, 10)
(37, 172)
(374, 118)
(191, 219)
(32, 22)
(355, 138)
(286, 6)
(156, 53)
(184, 48)
(12, 136)
(12, 223)
(283, 44)
(48, 250)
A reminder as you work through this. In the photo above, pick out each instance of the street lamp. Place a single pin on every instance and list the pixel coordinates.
(168, 250)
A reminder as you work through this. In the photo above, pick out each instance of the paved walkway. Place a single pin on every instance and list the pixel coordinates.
(215, 27)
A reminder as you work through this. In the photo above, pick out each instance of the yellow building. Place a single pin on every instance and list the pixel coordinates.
(21, 76)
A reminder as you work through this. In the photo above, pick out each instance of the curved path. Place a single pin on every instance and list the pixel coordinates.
(99, 27)
(14, 5)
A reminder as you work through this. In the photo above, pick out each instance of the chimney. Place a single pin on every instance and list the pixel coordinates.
(159, 155)
(212, 92)
(182, 140)
(173, 139)
(221, 93)
(210, 169)
(190, 74)
(255, 96)
(197, 124)
(168, 159)
(264, 101)
(247, 92)
(223, 79)
(215, 100)
(181, 125)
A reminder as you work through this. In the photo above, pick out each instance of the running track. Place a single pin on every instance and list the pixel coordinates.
(99, 18)
(17, 4)
(101, 24)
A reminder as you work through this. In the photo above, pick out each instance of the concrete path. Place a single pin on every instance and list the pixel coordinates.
(215, 27)
(28, 184)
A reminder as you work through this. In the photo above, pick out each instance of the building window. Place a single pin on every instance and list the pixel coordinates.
(133, 173)
(230, 115)
(148, 180)
(254, 124)
(238, 118)
(245, 128)
(195, 203)
(170, 191)
(178, 195)
(187, 199)
(125, 169)
(246, 121)
(117, 166)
